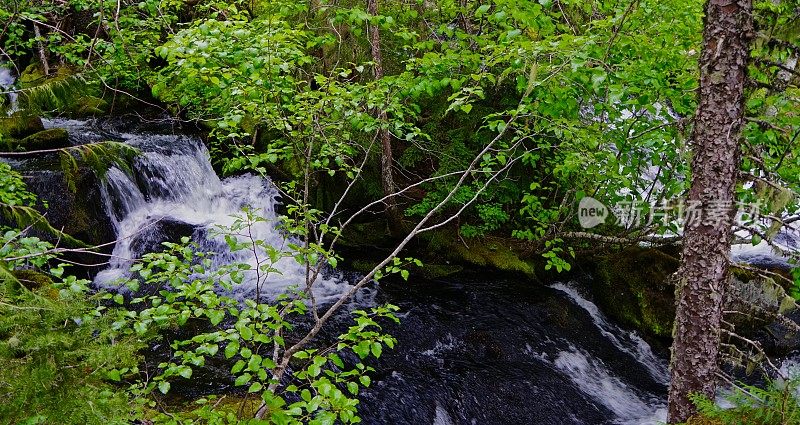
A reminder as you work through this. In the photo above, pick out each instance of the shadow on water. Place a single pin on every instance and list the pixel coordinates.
(479, 349)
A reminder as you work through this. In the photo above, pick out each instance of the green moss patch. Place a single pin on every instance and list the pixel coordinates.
(635, 289)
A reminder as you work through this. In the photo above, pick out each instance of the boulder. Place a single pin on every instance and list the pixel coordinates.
(72, 200)
(53, 138)
(633, 287)
(163, 230)
(19, 125)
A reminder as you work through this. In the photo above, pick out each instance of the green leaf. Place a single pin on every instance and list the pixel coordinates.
(238, 366)
(114, 375)
(186, 372)
(376, 349)
(242, 379)
(216, 316)
(232, 349)
(245, 332)
(163, 386)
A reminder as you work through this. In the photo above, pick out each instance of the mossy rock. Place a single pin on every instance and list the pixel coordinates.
(87, 106)
(53, 138)
(362, 266)
(494, 252)
(31, 76)
(19, 125)
(63, 91)
(72, 201)
(32, 279)
(358, 235)
(634, 288)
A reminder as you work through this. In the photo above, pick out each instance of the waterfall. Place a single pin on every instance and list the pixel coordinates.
(171, 190)
(7, 85)
(626, 341)
(441, 416)
(592, 377)
(595, 379)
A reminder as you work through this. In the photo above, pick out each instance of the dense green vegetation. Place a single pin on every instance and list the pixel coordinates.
(472, 122)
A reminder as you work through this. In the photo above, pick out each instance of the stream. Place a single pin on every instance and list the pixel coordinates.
(475, 348)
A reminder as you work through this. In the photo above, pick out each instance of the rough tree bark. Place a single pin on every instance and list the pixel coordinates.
(702, 276)
(387, 175)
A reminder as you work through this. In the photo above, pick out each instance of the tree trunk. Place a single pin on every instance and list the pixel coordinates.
(702, 276)
(42, 50)
(387, 175)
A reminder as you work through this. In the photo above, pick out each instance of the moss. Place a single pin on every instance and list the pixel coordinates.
(65, 92)
(742, 274)
(19, 125)
(362, 266)
(494, 252)
(54, 138)
(87, 106)
(32, 279)
(636, 289)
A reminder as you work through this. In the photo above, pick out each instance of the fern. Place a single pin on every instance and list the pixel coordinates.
(58, 358)
(50, 94)
(775, 404)
(99, 157)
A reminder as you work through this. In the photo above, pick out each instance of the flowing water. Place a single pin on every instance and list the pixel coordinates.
(471, 350)
(487, 349)
(7, 80)
(171, 190)
(478, 348)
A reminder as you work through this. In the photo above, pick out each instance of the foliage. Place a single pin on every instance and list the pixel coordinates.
(248, 337)
(56, 341)
(65, 350)
(56, 348)
(543, 102)
(776, 404)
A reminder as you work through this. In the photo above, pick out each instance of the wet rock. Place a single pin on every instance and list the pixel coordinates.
(19, 125)
(53, 138)
(483, 345)
(760, 308)
(633, 287)
(71, 200)
(164, 230)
